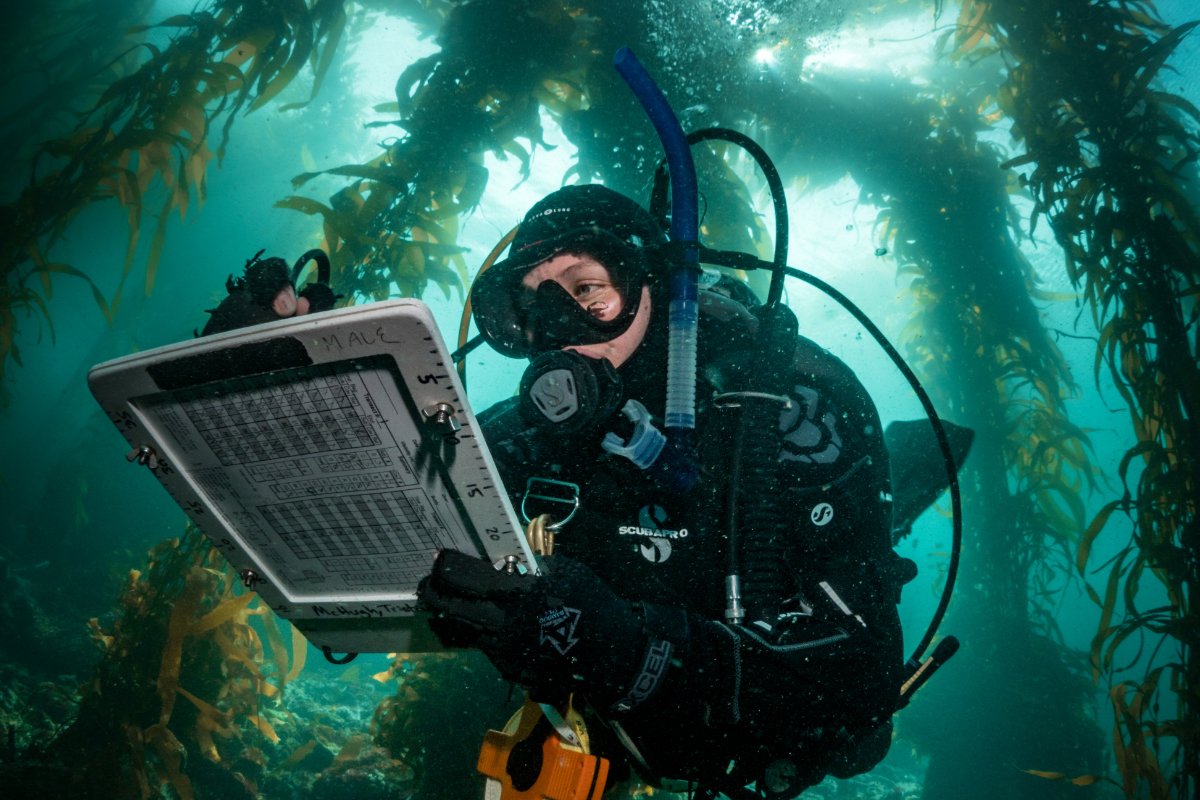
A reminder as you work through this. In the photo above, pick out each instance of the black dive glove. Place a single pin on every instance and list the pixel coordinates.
(319, 296)
(560, 632)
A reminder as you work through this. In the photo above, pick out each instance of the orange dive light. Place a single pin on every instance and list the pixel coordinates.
(535, 759)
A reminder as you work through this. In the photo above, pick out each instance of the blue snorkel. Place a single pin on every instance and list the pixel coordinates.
(680, 416)
(677, 468)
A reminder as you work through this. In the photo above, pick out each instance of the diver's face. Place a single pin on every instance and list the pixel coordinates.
(591, 285)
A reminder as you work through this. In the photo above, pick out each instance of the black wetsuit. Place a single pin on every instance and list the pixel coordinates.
(815, 681)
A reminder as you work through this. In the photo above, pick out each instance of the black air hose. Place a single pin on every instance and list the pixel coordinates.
(754, 501)
(756, 562)
(760, 555)
(318, 255)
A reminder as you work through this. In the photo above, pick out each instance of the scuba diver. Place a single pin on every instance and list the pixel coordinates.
(788, 676)
(266, 292)
(720, 602)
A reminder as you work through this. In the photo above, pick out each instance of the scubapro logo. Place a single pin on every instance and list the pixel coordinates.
(822, 514)
(654, 536)
(655, 549)
(657, 533)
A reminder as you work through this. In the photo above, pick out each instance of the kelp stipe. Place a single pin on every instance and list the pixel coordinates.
(397, 222)
(1105, 176)
(150, 127)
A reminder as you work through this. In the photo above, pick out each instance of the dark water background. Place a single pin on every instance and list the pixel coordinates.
(76, 518)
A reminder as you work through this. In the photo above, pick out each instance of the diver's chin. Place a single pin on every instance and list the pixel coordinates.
(616, 351)
(596, 351)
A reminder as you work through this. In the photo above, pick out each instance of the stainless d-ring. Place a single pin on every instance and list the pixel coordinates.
(573, 500)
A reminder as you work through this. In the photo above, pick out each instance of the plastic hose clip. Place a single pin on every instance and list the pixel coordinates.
(646, 442)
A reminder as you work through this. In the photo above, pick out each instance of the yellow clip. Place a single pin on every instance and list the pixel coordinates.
(540, 535)
(575, 720)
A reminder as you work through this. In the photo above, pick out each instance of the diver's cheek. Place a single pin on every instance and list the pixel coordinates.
(618, 350)
(302, 306)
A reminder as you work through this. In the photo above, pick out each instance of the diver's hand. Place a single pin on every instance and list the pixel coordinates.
(318, 297)
(470, 599)
(564, 630)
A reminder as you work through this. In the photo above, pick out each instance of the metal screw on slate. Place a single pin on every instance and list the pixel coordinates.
(442, 414)
(143, 455)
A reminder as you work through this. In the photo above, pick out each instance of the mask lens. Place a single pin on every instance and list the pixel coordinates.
(554, 319)
(516, 319)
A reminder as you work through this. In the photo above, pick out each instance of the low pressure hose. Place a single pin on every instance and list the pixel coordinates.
(680, 416)
(323, 268)
(756, 527)
(658, 197)
(762, 551)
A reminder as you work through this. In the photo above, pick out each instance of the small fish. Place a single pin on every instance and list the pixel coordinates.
(301, 752)
(1081, 780)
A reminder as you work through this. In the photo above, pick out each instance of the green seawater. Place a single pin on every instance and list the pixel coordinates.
(901, 153)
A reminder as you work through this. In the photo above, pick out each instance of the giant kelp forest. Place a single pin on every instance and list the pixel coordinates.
(1038, 119)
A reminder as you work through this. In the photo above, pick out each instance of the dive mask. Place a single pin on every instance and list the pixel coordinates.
(520, 321)
(589, 219)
